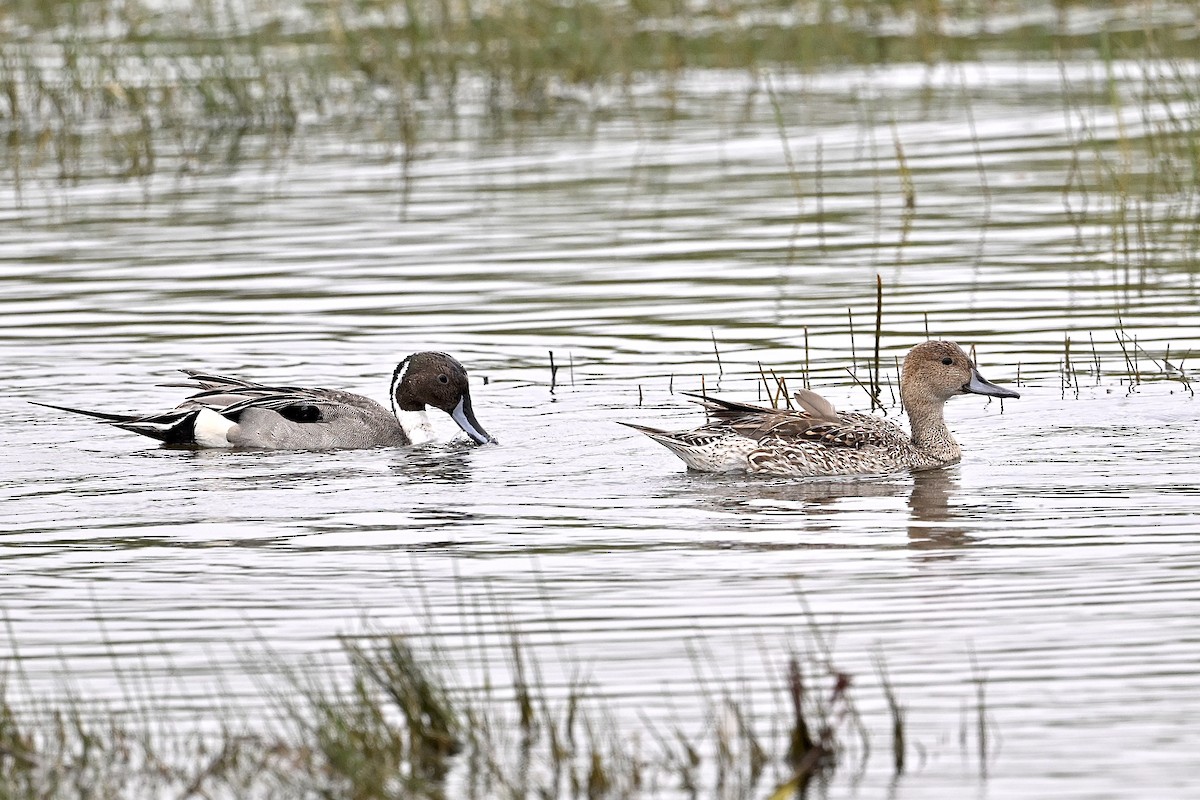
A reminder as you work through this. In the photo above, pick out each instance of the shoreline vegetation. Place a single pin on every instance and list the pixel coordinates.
(92, 91)
(126, 91)
(141, 86)
(390, 723)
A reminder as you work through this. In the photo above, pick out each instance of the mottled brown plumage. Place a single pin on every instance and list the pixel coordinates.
(819, 440)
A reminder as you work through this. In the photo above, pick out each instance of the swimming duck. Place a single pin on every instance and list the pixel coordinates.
(821, 441)
(231, 412)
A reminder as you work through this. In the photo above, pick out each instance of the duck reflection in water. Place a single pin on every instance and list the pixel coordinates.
(756, 496)
(932, 518)
(445, 463)
(934, 521)
(433, 474)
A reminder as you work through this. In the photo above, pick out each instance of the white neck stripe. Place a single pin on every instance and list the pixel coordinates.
(397, 379)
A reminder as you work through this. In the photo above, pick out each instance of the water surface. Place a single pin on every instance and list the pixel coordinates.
(1060, 558)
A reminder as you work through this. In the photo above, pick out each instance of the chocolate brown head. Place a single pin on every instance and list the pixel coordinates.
(437, 380)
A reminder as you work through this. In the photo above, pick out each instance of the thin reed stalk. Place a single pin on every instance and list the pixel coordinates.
(875, 387)
(899, 744)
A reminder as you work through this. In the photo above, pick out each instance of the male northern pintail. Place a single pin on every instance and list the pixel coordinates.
(820, 441)
(231, 412)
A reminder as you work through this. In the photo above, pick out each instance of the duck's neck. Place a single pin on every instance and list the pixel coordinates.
(929, 432)
(416, 425)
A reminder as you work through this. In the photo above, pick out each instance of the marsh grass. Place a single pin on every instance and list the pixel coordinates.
(1119, 359)
(1135, 159)
(143, 86)
(389, 719)
(1112, 359)
(133, 90)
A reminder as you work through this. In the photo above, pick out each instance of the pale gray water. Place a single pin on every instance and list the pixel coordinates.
(1064, 552)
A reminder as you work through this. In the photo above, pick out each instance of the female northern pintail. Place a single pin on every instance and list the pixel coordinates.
(230, 412)
(820, 441)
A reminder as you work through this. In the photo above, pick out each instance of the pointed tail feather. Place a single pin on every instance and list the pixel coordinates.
(666, 438)
(170, 428)
(116, 418)
(645, 429)
(703, 450)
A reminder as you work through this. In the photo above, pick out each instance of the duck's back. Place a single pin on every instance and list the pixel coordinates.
(335, 426)
(291, 418)
(817, 441)
(857, 444)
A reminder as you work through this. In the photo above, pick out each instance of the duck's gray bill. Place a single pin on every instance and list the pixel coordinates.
(465, 417)
(977, 385)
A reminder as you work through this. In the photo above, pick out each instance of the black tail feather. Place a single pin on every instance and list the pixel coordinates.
(117, 418)
(173, 427)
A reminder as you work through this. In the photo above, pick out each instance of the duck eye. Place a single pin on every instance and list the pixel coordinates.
(443, 379)
(947, 361)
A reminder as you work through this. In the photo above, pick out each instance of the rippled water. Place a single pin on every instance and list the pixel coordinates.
(1061, 557)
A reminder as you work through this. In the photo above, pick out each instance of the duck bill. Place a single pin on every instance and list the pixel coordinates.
(977, 385)
(465, 417)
